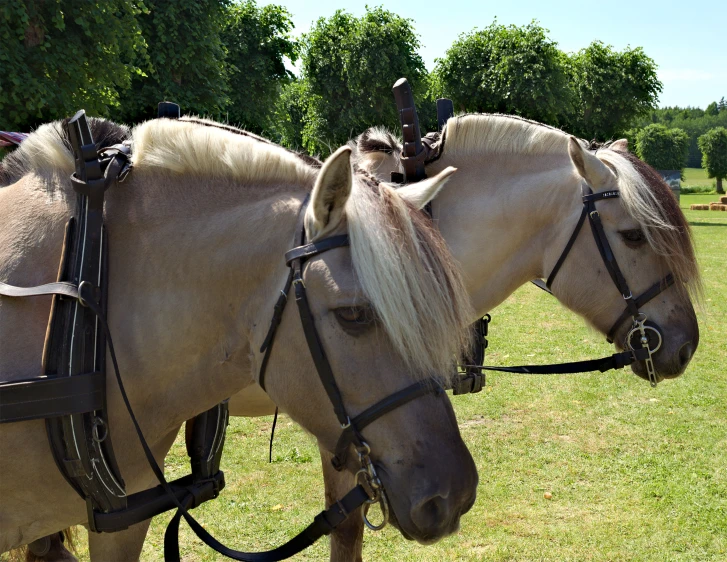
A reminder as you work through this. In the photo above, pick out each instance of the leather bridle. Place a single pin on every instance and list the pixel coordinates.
(350, 428)
(633, 304)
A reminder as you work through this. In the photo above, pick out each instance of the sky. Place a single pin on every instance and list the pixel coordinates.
(688, 41)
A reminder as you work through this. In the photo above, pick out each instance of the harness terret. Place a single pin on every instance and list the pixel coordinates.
(71, 395)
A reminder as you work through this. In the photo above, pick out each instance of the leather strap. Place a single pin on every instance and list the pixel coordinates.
(615, 361)
(59, 288)
(351, 433)
(315, 248)
(640, 301)
(40, 398)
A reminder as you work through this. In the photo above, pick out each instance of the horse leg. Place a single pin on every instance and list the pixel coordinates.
(122, 546)
(347, 538)
(126, 545)
(50, 549)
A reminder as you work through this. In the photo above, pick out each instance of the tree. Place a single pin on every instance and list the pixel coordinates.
(694, 121)
(662, 148)
(257, 42)
(349, 67)
(612, 88)
(714, 154)
(59, 56)
(186, 60)
(507, 69)
(712, 109)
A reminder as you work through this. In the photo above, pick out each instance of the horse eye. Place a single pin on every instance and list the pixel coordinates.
(634, 237)
(355, 314)
(355, 320)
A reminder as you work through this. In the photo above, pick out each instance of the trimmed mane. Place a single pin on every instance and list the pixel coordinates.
(645, 195)
(48, 148)
(474, 134)
(200, 147)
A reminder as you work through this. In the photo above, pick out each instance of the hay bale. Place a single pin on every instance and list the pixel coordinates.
(717, 207)
(723, 199)
(701, 207)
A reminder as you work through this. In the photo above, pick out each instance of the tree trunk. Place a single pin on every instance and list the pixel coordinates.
(720, 189)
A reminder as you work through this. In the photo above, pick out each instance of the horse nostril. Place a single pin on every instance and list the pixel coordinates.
(428, 514)
(685, 354)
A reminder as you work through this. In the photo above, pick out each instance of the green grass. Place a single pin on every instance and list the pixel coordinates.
(635, 473)
(696, 181)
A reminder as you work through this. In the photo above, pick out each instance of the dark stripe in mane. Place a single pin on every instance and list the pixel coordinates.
(105, 133)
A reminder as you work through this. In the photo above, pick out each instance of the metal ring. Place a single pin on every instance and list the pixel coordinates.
(383, 502)
(80, 289)
(94, 430)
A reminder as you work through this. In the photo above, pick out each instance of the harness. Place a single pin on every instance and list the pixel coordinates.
(71, 393)
(643, 338)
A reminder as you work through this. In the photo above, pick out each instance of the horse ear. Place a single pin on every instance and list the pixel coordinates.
(330, 193)
(590, 168)
(421, 193)
(621, 145)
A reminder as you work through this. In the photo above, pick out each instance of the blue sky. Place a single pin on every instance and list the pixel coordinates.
(688, 40)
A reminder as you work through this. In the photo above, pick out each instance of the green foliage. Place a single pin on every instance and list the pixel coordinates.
(349, 67)
(59, 56)
(291, 113)
(257, 41)
(506, 69)
(613, 88)
(693, 120)
(713, 145)
(186, 60)
(712, 109)
(662, 148)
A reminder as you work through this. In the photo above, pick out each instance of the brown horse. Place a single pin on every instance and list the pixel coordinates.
(197, 236)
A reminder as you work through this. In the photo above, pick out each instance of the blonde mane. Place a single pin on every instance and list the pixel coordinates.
(410, 278)
(475, 134)
(201, 147)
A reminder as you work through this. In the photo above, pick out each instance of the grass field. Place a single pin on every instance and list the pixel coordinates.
(635, 473)
(696, 179)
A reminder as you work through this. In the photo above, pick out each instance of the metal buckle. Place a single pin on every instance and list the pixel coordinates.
(639, 327)
(369, 480)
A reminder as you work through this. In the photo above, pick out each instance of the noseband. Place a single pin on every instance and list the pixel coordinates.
(639, 330)
(350, 428)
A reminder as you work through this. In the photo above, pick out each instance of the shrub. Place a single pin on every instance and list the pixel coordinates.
(662, 148)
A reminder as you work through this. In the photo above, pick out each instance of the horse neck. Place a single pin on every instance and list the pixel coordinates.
(194, 273)
(505, 218)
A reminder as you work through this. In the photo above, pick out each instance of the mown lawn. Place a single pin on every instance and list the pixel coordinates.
(635, 473)
(697, 177)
